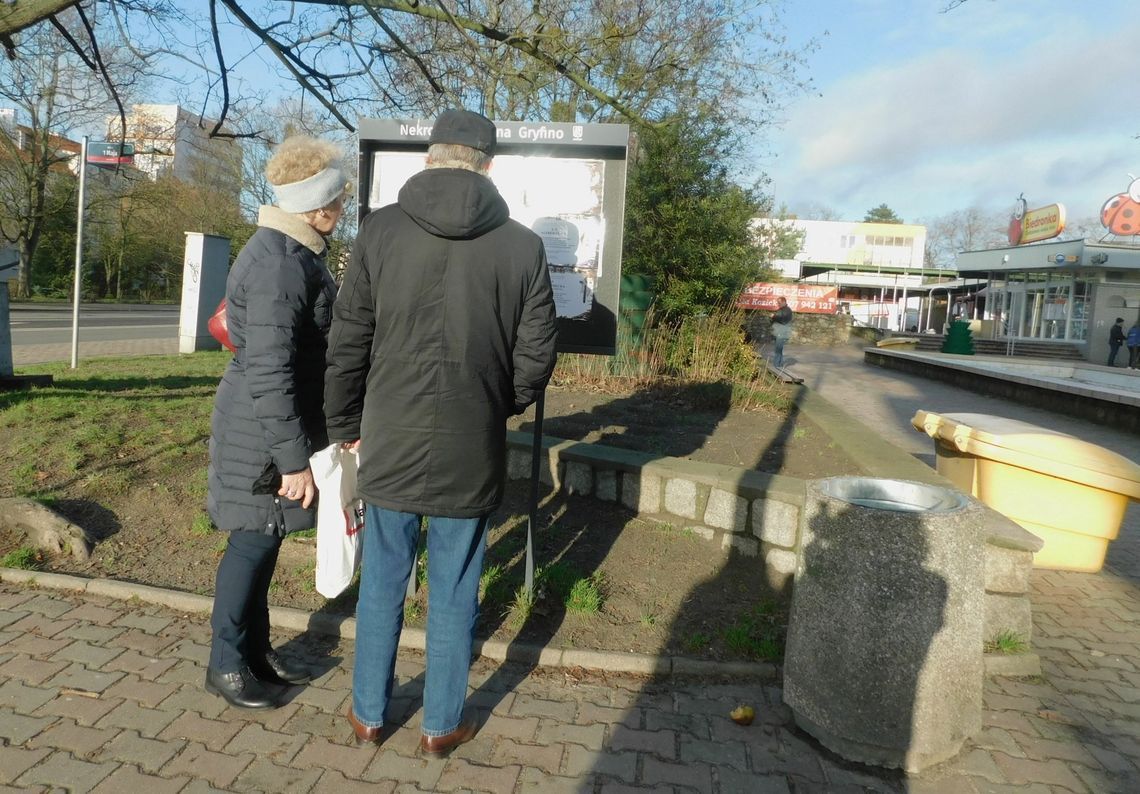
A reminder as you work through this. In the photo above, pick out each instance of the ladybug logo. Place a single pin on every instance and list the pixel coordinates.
(1121, 213)
(1020, 207)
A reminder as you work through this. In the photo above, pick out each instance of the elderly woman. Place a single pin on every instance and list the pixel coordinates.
(268, 415)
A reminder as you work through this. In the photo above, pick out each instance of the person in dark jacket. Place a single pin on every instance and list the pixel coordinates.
(781, 330)
(1115, 340)
(1133, 342)
(444, 327)
(268, 416)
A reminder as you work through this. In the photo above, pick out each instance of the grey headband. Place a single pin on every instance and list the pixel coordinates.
(319, 190)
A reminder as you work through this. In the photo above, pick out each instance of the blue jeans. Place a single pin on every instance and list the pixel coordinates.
(455, 549)
(778, 357)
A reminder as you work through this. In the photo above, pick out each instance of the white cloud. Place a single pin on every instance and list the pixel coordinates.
(1053, 115)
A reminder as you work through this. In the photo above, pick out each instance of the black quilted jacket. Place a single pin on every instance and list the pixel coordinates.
(268, 409)
(443, 328)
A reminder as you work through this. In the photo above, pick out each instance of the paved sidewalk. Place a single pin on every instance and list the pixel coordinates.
(105, 695)
(22, 355)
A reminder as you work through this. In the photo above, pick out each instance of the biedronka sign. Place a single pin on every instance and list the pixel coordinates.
(801, 298)
(1031, 226)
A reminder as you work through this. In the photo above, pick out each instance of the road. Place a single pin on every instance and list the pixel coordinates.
(42, 333)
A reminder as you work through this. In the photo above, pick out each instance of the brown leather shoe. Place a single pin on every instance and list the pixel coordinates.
(442, 745)
(364, 734)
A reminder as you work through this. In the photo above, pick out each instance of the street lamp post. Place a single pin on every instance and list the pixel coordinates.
(78, 256)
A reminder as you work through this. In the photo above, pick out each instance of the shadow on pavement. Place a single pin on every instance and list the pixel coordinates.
(689, 718)
(588, 549)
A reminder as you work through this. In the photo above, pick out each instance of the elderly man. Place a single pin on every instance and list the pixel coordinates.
(444, 327)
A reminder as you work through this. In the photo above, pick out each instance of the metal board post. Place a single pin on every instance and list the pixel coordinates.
(535, 474)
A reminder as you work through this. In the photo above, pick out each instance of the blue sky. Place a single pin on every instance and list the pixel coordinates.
(933, 112)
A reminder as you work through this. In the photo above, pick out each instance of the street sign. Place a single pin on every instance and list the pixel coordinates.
(110, 153)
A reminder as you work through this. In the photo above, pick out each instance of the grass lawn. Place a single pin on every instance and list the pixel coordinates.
(121, 446)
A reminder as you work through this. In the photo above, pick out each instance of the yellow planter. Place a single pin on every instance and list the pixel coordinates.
(1068, 492)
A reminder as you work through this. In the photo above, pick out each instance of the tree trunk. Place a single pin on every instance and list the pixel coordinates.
(24, 280)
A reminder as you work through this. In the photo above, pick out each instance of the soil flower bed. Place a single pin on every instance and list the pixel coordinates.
(120, 447)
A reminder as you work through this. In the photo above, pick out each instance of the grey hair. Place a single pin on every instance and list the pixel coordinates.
(454, 155)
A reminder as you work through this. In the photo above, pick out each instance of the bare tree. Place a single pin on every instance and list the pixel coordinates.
(1087, 228)
(970, 229)
(52, 93)
(569, 59)
(816, 211)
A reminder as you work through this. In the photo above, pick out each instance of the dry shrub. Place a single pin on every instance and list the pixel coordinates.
(708, 349)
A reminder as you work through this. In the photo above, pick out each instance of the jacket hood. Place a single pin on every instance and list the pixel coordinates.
(453, 203)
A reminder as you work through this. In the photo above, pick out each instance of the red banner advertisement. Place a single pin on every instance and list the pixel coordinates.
(802, 298)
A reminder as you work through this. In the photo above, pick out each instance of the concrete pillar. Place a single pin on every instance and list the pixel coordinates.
(206, 265)
(5, 333)
(9, 263)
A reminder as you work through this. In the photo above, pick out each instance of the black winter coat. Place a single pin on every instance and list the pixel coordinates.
(268, 408)
(443, 328)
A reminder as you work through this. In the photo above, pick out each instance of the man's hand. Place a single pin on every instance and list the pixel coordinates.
(299, 486)
(349, 446)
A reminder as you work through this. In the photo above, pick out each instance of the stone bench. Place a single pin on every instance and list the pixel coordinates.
(757, 515)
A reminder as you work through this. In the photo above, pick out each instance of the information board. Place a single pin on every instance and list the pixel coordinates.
(566, 182)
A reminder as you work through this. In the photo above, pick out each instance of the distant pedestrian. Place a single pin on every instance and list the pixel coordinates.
(267, 417)
(1133, 341)
(1115, 340)
(781, 330)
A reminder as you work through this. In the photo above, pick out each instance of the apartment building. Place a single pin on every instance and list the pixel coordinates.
(170, 140)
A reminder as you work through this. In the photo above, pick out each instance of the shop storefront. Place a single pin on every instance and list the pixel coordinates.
(1069, 291)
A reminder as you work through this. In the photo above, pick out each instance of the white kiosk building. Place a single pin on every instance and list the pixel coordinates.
(878, 268)
(1065, 292)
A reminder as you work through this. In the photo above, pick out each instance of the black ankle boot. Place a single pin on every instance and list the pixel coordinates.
(243, 690)
(274, 669)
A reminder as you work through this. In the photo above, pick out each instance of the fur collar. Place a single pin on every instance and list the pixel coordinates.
(291, 225)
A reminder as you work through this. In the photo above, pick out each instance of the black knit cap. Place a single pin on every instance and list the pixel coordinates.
(466, 129)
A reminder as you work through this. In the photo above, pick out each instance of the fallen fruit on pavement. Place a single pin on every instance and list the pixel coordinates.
(743, 715)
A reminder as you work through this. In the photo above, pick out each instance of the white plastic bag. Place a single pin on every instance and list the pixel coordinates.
(340, 518)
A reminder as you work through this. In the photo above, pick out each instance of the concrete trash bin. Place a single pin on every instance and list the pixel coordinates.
(884, 660)
(1070, 493)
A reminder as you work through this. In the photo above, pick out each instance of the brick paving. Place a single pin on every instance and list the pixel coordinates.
(72, 717)
(104, 695)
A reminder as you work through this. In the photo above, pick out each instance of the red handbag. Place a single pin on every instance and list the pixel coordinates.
(218, 328)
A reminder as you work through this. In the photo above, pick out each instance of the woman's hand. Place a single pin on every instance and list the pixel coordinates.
(299, 486)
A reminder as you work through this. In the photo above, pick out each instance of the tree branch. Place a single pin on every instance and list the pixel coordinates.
(221, 69)
(515, 41)
(282, 56)
(372, 12)
(15, 17)
(74, 44)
